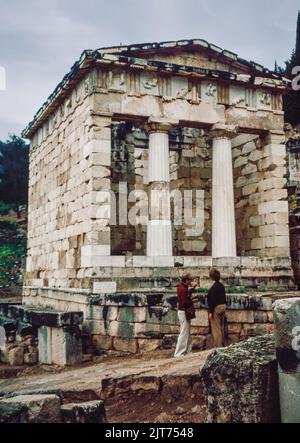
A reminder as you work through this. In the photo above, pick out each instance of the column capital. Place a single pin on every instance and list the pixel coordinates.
(221, 130)
(160, 124)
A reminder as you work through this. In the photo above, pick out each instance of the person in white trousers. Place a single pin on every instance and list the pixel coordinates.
(184, 291)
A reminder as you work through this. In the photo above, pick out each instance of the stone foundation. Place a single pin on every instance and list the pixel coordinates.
(145, 321)
(139, 273)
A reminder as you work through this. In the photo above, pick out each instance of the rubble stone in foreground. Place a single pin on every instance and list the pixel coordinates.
(241, 383)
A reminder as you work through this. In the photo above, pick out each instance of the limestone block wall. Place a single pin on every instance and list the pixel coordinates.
(261, 196)
(123, 236)
(191, 169)
(69, 162)
(143, 323)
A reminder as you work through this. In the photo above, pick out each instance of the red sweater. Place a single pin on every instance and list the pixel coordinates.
(183, 295)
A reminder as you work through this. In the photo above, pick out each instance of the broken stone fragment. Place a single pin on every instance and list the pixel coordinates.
(16, 356)
(287, 334)
(287, 339)
(42, 391)
(241, 383)
(31, 358)
(40, 408)
(89, 412)
(13, 413)
(179, 411)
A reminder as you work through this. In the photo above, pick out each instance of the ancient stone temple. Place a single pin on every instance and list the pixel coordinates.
(185, 122)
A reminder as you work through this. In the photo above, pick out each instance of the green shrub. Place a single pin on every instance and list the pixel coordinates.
(5, 208)
(12, 253)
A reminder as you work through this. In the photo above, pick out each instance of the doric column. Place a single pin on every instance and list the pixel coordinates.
(159, 228)
(223, 214)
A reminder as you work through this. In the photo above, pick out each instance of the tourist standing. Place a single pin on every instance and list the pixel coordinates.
(216, 299)
(186, 313)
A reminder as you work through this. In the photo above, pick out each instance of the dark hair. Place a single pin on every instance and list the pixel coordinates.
(215, 274)
(185, 277)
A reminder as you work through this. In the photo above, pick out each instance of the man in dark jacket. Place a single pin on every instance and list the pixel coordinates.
(184, 291)
(216, 299)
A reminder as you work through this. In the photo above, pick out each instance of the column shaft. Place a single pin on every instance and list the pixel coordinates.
(159, 229)
(223, 213)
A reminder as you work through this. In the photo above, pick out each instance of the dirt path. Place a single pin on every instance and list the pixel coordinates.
(135, 389)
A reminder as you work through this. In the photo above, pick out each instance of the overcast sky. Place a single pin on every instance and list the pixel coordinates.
(40, 40)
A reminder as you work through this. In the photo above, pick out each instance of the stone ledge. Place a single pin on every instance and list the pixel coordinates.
(37, 317)
(251, 300)
(138, 261)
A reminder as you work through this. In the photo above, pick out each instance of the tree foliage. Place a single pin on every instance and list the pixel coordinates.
(291, 101)
(14, 166)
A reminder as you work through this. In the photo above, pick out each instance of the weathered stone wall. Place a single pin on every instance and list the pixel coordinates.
(123, 237)
(261, 196)
(67, 226)
(139, 322)
(195, 58)
(191, 169)
(58, 218)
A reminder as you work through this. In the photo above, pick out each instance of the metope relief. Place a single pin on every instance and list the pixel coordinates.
(116, 81)
(209, 92)
(149, 84)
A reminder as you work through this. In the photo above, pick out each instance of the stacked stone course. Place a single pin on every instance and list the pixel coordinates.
(261, 196)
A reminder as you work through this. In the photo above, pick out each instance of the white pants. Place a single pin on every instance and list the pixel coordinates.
(184, 342)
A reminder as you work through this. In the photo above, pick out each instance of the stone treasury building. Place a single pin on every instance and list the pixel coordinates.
(186, 123)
